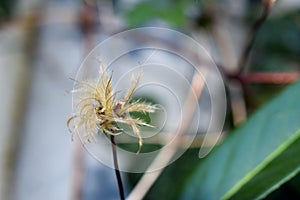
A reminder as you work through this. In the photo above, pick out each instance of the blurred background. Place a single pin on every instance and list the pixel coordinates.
(42, 44)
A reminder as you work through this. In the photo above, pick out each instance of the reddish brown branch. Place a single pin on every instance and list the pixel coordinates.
(268, 77)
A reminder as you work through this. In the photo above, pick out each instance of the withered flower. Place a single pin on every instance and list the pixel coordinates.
(100, 112)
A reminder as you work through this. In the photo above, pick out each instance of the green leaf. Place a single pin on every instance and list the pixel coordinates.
(256, 158)
(148, 11)
(275, 173)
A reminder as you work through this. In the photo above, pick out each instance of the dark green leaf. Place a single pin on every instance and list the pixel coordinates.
(255, 159)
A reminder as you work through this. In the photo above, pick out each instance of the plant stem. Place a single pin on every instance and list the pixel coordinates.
(251, 37)
(116, 166)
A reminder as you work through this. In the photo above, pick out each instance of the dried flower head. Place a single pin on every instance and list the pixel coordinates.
(99, 111)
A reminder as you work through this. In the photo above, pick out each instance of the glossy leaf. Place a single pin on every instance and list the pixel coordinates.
(256, 158)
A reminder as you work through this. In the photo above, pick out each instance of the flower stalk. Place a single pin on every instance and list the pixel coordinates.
(116, 167)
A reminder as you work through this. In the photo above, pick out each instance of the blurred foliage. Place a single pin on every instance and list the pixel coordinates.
(277, 46)
(260, 155)
(169, 11)
(170, 183)
(276, 49)
(6, 9)
(176, 13)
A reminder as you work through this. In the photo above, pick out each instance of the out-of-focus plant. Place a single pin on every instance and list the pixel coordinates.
(261, 156)
(6, 9)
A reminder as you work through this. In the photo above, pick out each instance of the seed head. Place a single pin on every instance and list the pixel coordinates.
(100, 112)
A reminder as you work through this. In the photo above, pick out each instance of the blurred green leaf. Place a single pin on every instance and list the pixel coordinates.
(256, 158)
(277, 44)
(6, 9)
(169, 184)
(171, 12)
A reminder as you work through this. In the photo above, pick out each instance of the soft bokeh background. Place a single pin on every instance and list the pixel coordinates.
(42, 44)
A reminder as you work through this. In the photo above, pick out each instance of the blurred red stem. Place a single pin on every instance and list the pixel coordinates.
(267, 77)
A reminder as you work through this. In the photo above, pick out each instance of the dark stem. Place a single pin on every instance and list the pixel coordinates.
(116, 166)
(251, 38)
